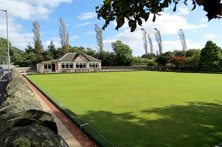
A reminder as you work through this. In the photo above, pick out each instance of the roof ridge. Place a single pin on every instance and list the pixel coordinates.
(85, 55)
(91, 57)
(66, 55)
(74, 56)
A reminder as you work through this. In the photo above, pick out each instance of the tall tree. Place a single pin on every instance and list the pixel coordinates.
(210, 57)
(99, 37)
(123, 53)
(135, 11)
(183, 41)
(145, 43)
(38, 48)
(64, 36)
(159, 40)
(151, 45)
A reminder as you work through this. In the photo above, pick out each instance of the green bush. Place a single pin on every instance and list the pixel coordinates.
(151, 63)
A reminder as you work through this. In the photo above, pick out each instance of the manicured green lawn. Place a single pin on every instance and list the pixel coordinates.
(143, 108)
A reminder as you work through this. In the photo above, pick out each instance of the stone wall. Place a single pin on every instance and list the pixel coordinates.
(22, 121)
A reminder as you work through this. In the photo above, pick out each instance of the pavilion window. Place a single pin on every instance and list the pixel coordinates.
(84, 65)
(80, 65)
(67, 65)
(63, 65)
(77, 65)
(93, 65)
(71, 65)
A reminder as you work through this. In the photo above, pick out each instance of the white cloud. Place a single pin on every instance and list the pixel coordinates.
(183, 11)
(49, 3)
(209, 36)
(88, 15)
(30, 9)
(24, 9)
(168, 26)
(74, 38)
(196, 45)
(15, 37)
(204, 20)
(84, 24)
(90, 33)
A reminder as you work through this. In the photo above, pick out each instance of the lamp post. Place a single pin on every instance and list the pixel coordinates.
(6, 15)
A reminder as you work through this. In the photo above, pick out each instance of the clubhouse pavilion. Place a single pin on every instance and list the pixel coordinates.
(70, 62)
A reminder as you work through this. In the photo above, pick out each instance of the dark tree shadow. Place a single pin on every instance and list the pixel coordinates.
(196, 124)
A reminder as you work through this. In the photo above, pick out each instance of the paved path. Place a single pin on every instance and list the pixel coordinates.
(62, 130)
(66, 128)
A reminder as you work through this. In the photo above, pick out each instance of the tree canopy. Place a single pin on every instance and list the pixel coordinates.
(15, 53)
(123, 53)
(210, 58)
(135, 11)
(3, 51)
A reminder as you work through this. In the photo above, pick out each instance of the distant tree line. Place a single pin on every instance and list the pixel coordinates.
(208, 59)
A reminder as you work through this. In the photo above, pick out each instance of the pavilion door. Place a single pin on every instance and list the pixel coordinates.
(53, 67)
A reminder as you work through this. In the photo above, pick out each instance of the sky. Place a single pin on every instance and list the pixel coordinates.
(80, 19)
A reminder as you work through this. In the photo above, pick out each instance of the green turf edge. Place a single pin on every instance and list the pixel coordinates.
(85, 127)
